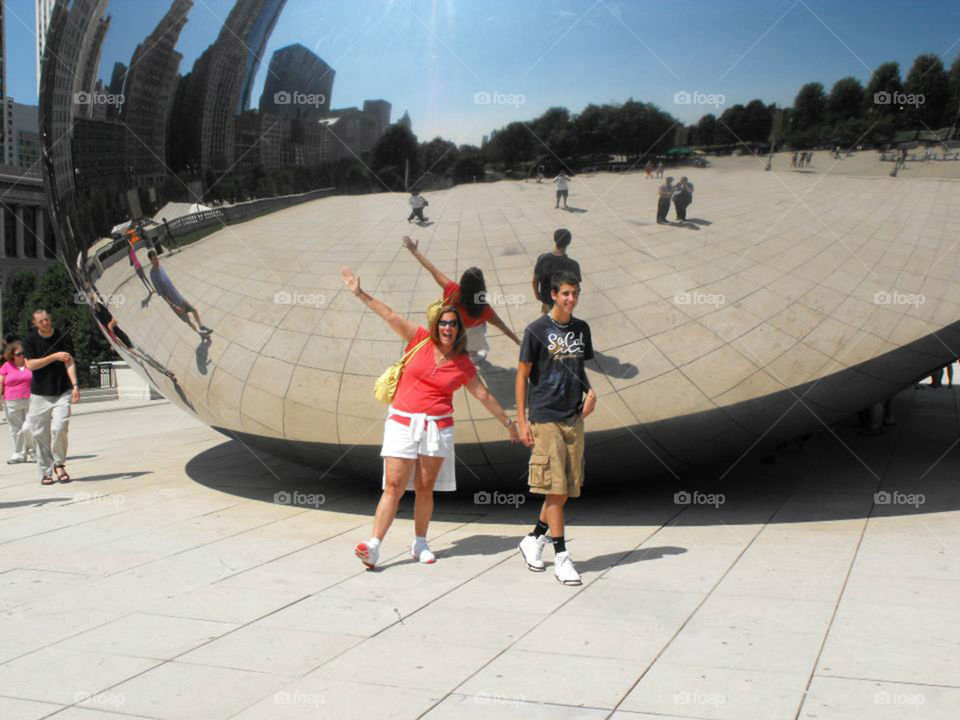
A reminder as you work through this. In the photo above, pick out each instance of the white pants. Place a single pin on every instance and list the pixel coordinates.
(420, 437)
(477, 340)
(48, 421)
(16, 412)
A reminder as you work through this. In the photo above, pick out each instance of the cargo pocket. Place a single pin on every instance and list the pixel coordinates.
(539, 476)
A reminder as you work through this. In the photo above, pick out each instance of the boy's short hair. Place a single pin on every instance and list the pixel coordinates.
(563, 277)
(562, 238)
(152, 254)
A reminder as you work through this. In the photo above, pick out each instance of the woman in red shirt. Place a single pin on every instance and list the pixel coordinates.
(470, 299)
(418, 432)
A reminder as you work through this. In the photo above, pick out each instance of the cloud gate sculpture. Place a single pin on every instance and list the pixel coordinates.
(789, 301)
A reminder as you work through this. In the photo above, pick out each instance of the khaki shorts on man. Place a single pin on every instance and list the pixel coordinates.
(556, 459)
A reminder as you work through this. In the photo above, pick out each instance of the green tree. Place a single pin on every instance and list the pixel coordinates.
(845, 100)
(394, 148)
(707, 129)
(928, 78)
(953, 105)
(438, 155)
(809, 107)
(884, 84)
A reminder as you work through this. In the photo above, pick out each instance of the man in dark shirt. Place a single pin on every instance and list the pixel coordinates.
(550, 263)
(552, 358)
(49, 355)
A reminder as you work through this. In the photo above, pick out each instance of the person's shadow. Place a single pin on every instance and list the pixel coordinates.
(600, 563)
(686, 224)
(699, 221)
(202, 354)
(612, 367)
(572, 209)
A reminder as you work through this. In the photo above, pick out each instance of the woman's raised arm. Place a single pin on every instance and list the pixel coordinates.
(401, 326)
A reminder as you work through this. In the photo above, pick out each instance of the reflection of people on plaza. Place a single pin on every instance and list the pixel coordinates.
(470, 297)
(166, 289)
(563, 188)
(418, 447)
(115, 333)
(664, 196)
(683, 198)
(15, 379)
(49, 355)
(135, 261)
(550, 263)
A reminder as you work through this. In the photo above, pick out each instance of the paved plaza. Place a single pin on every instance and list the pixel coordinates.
(167, 581)
(185, 575)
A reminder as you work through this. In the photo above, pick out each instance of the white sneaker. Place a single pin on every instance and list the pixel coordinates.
(532, 550)
(420, 551)
(369, 554)
(564, 570)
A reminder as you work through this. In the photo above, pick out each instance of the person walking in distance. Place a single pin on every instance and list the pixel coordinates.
(552, 262)
(559, 397)
(659, 168)
(664, 196)
(53, 388)
(15, 379)
(563, 188)
(418, 203)
(418, 448)
(179, 304)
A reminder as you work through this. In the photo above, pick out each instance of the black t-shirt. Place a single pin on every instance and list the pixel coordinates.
(548, 264)
(51, 380)
(558, 379)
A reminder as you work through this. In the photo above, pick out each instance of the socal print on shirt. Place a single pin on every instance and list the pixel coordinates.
(558, 380)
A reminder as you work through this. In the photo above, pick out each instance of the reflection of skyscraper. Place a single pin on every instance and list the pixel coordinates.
(405, 121)
(44, 10)
(88, 79)
(294, 69)
(379, 109)
(218, 87)
(148, 93)
(71, 33)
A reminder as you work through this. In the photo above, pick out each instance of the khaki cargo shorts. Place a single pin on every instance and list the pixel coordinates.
(556, 458)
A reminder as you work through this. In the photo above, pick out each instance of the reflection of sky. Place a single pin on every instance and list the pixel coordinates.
(431, 56)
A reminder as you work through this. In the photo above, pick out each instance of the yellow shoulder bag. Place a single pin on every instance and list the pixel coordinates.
(386, 386)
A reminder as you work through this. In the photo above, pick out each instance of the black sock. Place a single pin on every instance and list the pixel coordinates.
(559, 545)
(539, 529)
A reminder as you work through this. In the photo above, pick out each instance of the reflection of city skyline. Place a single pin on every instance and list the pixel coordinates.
(155, 125)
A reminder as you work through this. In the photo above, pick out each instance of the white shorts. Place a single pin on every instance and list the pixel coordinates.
(398, 442)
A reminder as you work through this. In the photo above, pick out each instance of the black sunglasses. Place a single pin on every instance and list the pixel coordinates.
(448, 323)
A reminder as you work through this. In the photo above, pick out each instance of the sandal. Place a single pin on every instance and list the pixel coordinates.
(47, 480)
(65, 478)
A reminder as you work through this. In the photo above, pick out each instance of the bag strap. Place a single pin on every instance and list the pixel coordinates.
(413, 351)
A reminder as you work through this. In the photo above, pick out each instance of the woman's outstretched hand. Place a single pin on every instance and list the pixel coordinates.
(410, 244)
(350, 280)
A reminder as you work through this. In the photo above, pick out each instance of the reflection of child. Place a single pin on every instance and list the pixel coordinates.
(418, 203)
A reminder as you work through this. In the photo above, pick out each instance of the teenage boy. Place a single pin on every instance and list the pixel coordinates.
(550, 263)
(563, 188)
(552, 358)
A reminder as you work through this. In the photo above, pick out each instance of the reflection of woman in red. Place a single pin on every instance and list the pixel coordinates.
(418, 447)
(134, 260)
(470, 298)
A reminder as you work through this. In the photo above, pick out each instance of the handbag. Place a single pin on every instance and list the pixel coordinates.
(386, 385)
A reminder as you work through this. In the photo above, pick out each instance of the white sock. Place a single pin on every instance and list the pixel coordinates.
(373, 543)
(420, 540)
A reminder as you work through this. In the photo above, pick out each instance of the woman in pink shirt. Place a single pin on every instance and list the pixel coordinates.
(15, 379)
(418, 433)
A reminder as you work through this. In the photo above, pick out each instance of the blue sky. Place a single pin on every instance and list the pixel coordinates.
(430, 56)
